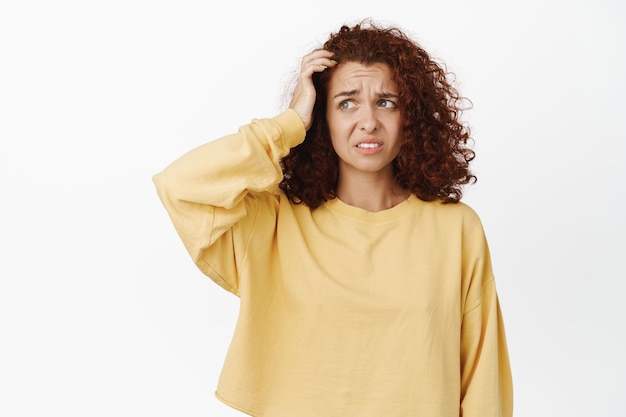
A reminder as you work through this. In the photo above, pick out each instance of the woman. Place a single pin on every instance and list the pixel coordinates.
(365, 286)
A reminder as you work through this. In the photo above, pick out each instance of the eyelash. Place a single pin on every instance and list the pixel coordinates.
(393, 103)
(343, 104)
(347, 102)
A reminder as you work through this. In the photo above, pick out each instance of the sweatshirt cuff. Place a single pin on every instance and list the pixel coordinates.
(292, 126)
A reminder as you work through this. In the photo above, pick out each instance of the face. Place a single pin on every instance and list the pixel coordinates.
(363, 118)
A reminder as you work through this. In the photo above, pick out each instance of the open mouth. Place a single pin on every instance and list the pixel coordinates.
(368, 145)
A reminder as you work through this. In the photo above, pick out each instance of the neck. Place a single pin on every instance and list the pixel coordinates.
(371, 193)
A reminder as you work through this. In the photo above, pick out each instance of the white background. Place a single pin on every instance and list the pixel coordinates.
(102, 312)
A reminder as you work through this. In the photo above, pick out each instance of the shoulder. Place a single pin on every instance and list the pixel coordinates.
(454, 218)
(459, 211)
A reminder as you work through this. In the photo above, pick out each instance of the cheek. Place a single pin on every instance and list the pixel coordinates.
(335, 141)
(332, 120)
(337, 127)
(399, 140)
(397, 129)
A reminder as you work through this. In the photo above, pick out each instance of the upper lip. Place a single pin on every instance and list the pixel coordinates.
(377, 141)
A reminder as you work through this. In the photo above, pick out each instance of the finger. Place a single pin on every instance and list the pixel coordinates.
(317, 59)
(317, 65)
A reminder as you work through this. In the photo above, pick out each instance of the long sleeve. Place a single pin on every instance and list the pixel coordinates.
(215, 193)
(486, 381)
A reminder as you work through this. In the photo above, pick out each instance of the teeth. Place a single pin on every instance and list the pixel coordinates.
(368, 145)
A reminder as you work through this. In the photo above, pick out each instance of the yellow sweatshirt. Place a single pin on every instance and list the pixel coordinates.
(343, 312)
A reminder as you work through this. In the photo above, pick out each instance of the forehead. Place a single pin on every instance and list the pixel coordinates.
(354, 75)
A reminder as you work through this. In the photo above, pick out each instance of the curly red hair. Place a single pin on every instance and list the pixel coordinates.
(433, 162)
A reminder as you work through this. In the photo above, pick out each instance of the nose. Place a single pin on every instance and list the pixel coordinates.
(368, 121)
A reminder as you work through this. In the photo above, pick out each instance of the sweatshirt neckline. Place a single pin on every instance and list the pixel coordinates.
(384, 216)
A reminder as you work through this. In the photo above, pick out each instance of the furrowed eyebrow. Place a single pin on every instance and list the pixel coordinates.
(388, 95)
(346, 93)
(351, 93)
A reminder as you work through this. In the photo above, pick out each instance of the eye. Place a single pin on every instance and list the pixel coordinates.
(346, 105)
(387, 104)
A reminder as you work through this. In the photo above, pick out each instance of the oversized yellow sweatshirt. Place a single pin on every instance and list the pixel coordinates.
(343, 312)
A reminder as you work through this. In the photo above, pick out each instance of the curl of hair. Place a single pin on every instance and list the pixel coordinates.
(433, 162)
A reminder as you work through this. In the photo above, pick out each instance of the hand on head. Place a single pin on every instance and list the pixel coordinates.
(303, 99)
